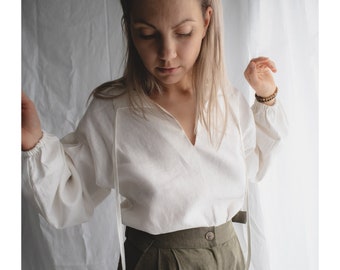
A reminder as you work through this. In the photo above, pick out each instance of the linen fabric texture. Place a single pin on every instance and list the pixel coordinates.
(166, 183)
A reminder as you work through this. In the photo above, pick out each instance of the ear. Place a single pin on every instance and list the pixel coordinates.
(207, 17)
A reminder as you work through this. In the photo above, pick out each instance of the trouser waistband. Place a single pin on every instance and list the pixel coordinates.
(203, 237)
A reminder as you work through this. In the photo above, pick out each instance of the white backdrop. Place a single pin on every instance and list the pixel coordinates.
(69, 47)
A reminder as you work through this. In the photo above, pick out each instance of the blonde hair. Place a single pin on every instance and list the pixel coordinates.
(209, 78)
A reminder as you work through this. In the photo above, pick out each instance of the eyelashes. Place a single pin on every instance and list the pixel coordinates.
(147, 37)
(185, 35)
(157, 36)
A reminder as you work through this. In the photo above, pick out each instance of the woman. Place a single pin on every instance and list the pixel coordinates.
(172, 137)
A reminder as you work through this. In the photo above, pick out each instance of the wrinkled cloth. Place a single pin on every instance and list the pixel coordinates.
(167, 183)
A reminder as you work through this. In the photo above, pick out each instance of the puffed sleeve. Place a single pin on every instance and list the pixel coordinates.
(61, 176)
(271, 127)
(263, 128)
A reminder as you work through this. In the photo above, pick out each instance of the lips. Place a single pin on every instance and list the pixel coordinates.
(167, 70)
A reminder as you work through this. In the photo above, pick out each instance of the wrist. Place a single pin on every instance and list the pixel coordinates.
(268, 100)
(29, 144)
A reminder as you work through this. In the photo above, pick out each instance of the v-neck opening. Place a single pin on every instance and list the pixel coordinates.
(193, 144)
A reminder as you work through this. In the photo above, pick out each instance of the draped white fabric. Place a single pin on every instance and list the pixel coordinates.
(69, 47)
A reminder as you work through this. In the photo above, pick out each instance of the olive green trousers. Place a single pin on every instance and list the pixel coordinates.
(207, 248)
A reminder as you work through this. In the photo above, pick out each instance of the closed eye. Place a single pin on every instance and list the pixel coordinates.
(147, 37)
(184, 34)
(154, 36)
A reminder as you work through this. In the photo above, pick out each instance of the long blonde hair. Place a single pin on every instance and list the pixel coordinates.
(209, 78)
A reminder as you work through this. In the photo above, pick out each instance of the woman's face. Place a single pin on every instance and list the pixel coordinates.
(168, 36)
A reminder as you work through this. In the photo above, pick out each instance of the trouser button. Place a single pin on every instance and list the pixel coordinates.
(209, 236)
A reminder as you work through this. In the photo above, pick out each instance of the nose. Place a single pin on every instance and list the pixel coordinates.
(167, 49)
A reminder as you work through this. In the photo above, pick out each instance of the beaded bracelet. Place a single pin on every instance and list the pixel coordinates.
(266, 99)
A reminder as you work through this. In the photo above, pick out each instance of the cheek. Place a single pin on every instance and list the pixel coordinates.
(146, 52)
(191, 49)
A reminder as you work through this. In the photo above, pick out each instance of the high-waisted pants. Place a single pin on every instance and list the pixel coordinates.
(206, 248)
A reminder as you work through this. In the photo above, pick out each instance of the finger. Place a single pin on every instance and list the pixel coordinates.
(264, 61)
(264, 66)
(260, 58)
(272, 66)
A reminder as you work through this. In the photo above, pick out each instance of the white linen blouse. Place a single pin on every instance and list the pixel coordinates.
(166, 183)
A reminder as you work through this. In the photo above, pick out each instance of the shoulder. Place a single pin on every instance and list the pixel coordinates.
(101, 111)
(237, 100)
(109, 98)
(240, 110)
(115, 95)
(236, 94)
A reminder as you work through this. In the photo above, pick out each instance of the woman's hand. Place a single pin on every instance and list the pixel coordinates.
(30, 124)
(259, 75)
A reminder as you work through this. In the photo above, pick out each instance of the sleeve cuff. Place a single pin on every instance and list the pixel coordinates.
(258, 106)
(36, 148)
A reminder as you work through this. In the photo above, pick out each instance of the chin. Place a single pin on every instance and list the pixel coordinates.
(170, 80)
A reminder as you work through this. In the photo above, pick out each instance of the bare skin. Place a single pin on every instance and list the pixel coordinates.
(181, 105)
(259, 75)
(168, 36)
(30, 124)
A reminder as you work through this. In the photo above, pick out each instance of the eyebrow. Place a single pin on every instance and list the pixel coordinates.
(141, 21)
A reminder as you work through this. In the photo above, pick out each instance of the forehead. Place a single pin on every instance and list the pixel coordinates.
(165, 12)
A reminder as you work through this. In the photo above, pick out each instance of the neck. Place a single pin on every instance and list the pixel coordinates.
(181, 88)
